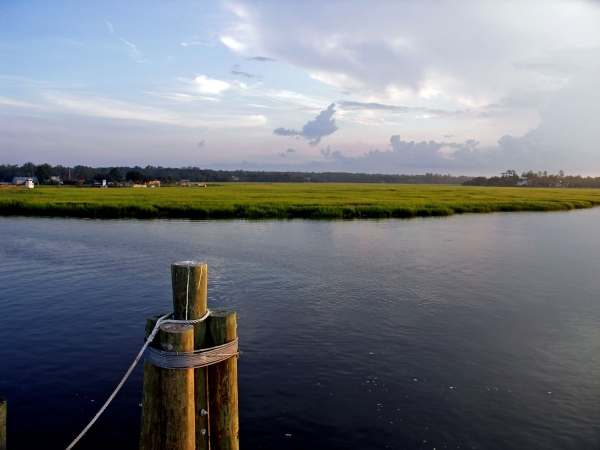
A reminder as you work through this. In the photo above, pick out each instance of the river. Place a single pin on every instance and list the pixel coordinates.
(471, 331)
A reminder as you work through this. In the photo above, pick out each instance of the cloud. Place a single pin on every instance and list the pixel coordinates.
(245, 74)
(354, 106)
(232, 43)
(469, 52)
(315, 130)
(260, 58)
(425, 113)
(290, 150)
(55, 103)
(328, 154)
(133, 50)
(186, 98)
(209, 85)
(201, 143)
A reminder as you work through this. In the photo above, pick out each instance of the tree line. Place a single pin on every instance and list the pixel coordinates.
(536, 179)
(170, 175)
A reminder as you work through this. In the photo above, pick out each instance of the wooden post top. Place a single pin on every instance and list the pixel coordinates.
(222, 312)
(189, 263)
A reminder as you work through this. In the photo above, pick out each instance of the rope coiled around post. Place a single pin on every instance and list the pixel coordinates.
(192, 360)
(163, 319)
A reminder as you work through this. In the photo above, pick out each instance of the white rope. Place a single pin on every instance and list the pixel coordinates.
(192, 360)
(160, 321)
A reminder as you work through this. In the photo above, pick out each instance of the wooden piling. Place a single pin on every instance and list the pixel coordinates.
(177, 390)
(190, 280)
(222, 384)
(3, 408)
(150, 432)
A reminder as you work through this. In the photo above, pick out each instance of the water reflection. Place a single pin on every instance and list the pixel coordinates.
(474, 331)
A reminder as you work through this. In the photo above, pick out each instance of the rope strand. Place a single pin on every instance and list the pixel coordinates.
(160, 321)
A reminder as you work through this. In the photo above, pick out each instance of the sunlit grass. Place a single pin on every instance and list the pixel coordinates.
(265, 200)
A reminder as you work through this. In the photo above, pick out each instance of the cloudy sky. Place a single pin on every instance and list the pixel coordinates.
(457, 87)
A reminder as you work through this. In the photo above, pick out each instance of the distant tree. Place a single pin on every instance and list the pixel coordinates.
(27, 169)
(43, 172)
(135, 176)
(170, 179)
(115, 175)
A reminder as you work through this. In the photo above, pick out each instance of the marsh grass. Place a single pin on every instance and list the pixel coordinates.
(312, 201)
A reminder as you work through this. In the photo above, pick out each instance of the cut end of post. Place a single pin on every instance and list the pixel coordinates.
(222, 312)
(189, 263)
(176, 328)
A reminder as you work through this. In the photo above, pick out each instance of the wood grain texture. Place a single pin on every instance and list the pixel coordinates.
(189, 280)
(223, 383)
(177, 390)
(3, 410)
(150, 430)
(191, 297)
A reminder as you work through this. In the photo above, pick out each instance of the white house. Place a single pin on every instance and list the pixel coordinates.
(23, 180)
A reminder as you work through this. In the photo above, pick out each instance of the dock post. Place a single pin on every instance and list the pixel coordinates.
(177, 390)
(150, 430)
(190, 280)
(222, 384)
(3, 407)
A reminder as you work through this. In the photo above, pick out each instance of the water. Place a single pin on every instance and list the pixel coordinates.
(476, 331)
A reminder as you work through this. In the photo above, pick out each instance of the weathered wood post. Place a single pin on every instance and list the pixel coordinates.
(151, 428)
(222, 383)
(3, 407)
(177, 388)
(190, 280)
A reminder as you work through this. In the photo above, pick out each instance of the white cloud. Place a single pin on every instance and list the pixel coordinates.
(61, 103)
(233, 44)
(207, 85)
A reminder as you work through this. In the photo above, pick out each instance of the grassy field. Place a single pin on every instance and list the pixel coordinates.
(264, 200)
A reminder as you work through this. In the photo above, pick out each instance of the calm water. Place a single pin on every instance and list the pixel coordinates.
(478, 331)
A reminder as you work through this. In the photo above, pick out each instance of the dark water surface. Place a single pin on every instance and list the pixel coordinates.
(477, 331)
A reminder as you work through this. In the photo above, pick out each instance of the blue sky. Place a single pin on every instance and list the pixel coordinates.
(455, 87)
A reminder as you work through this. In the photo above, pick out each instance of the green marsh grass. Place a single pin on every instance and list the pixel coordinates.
(279, 200)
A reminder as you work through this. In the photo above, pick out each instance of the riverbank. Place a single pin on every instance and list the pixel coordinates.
(266, 201)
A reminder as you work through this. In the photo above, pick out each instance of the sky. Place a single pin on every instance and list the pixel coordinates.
(459, 87)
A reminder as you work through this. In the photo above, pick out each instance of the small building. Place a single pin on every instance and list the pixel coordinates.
(235, 178)
(100, 184)
(22, 180)
(55, 179)
(523, 182)
(29, 183)
(155, 183)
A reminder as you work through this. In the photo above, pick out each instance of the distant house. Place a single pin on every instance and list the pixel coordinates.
(523, 182)
(184, 182)
(21, 180)
(100, 184)
(154, 183)
(55, 179)
(235, 178)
